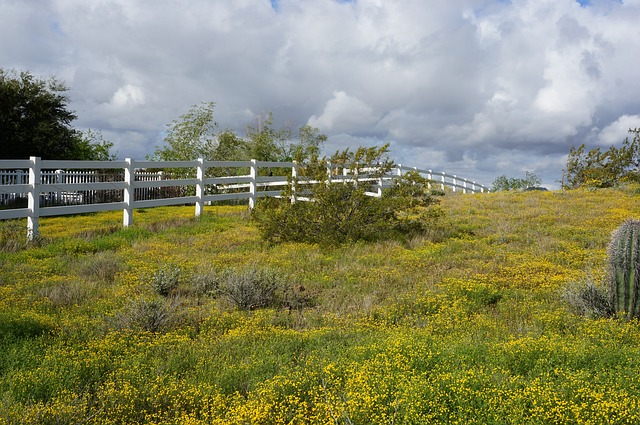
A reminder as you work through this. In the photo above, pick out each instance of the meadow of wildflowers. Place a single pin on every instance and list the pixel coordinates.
(465, 325)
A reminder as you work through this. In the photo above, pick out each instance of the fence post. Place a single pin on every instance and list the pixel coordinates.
(59, 180)
(33, 198)
(328, 173)
(294, 181)
(200, 187)
(253, 173)
(129, 177)
(442, 179)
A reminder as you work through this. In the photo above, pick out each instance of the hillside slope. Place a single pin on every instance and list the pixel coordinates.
(468, 324)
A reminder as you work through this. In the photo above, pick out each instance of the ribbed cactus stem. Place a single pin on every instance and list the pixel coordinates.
(624, 268)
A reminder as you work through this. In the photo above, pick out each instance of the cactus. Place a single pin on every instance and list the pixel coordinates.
(624, 269)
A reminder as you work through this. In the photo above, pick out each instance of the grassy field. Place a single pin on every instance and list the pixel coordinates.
(468, 324)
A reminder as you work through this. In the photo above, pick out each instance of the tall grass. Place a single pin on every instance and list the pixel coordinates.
(469, 323)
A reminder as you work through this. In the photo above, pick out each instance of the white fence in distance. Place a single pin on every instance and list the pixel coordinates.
(54, 187)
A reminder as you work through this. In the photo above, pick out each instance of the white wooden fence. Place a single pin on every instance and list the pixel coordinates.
(52, 187)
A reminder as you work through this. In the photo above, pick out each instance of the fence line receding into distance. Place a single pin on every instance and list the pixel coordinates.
(53, 187)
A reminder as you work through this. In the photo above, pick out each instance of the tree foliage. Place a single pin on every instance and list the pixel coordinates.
(307, 145)
(504, 183)
(266, 143)
(597, 168)
(195, 135)
(341, 211)
(191, 136)
(92, 146)
(35, 121)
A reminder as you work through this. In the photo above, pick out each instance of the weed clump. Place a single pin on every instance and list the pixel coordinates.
(588, 299)
(103, 266)
(13, 237)
(250, 288)
(150, 315)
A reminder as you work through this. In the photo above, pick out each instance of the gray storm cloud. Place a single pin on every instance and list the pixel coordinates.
(477, 87)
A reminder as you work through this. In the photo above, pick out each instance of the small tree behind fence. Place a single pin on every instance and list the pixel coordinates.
(37, 188)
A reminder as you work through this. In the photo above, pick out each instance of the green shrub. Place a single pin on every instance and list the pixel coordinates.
(512, 183)
(597, 169)
(341, 211)
(16, 326)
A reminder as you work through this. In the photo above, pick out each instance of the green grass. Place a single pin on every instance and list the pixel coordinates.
(464, 325)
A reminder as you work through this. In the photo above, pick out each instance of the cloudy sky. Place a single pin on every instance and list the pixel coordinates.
(479, 88)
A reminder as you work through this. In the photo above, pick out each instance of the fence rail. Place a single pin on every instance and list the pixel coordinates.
(50, 188)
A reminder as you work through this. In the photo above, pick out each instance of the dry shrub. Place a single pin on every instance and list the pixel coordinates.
(587, 299)
(206, 283)
(13, 236)
(150, 315)
(161, 226)
(66, 294)
(102, 267)
(250, 287)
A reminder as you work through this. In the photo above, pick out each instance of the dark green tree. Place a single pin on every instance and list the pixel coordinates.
(35, 121)
(230, 147)
(195, 135)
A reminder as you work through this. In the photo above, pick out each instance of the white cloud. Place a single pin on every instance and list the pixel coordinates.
(127, 96)
(344, 114)
(465, 84)
(616, 132)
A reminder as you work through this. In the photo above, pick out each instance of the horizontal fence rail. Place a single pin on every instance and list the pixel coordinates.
(37, 188)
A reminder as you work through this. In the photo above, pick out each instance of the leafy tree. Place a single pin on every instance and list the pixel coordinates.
(35, 121)
(265, 143)
(307, 145)
(341, 211)
(596, 168)
(191, 136)
(230, 147)
(195, 135)
(512, 183)
(91, 145)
